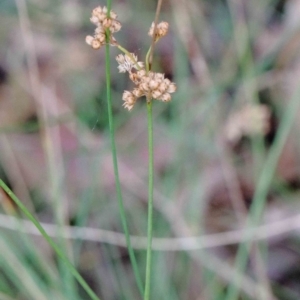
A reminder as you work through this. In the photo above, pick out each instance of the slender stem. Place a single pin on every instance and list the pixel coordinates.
(150, 202)
(108, 5)
(158, 8)
(54, 246)
(148, 62)
(147, 59)
(116, 169)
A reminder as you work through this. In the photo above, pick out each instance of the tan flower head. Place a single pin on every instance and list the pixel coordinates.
(157, 86)
(160, 30)
(152, 85)
(251, 120)
(126, 63)
(129, 100)
(103, 22)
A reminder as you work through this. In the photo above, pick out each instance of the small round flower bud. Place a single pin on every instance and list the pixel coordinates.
(159, 76)
(95, 20)
(120, 59)
(99, 29)
(147, 79)
(106, 22)
(160, 30)
(96, 11)
(167, 82)
(171, 88)
(144, 86)
(156, 94)
(137, 92)
(113, 15)
(153, 84)
(165, 97)
(96, 44)
(115, 26)
(162, 87)
(129, 100)
(141, 73)
(104, 10)
(89, 40)
(128, 97)
(163, 28)
(102, 17)
(101, 37)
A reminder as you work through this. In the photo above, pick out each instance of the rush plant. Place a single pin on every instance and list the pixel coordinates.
(148, 85)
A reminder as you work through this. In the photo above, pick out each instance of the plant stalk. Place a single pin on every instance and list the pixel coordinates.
(150, 201)
(116, 169)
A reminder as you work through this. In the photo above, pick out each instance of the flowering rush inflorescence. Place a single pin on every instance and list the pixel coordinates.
(150, 84)
(160, 30)
(104, 22)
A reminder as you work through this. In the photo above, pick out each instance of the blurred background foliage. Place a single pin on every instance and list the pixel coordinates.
(237, 68)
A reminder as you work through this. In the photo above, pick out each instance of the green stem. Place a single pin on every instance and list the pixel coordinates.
(150, 202)
(57, 250)
(261, 192)
(116, 169)
(147, 59)
(108, 5)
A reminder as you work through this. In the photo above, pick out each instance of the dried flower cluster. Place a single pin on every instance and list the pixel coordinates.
(150, 84)
(104, 22)
(126, 63)
(251, 120)
(147, 83)
(160, 30)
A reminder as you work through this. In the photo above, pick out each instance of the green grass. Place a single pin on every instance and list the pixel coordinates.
(90, 168)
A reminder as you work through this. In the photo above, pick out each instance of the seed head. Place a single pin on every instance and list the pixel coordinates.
(89, 39)
(160, 30)
(127, 62)
(129, 100)
(103, 22)
(251, 120)
(137, 92)
(152, 85)
(165, 97)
